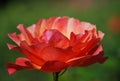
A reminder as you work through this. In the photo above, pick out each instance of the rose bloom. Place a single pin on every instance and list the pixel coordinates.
(56, 44)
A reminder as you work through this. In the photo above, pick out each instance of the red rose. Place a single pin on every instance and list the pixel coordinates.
(55, 44)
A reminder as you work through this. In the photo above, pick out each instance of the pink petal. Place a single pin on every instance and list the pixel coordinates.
(11, 46)
(60, 24)
(55, 38)
(27, 35)
(87, 26)
(12, 68)
(50, 22)
(31, 29)
(40, 27)
(15, 38)
(100, 35)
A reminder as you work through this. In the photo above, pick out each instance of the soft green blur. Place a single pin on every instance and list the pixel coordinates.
(28, 12)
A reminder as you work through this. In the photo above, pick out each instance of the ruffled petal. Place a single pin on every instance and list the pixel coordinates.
(54, 66)
(83, 43)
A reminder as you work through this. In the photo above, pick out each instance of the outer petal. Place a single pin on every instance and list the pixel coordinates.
(59, 23)
(96, 55)
(54, 66)
(77, 61)
(21, 63)
(15, 38)
(31, 29)
(12, 47)
(26, 34)
(30, 53)
(40, 27)
(100, 35)
(97, 58)
(87, 26)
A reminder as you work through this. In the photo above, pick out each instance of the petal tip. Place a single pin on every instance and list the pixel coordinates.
(11, 68)
(10, 46)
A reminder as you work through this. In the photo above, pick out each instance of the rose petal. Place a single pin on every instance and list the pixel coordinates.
(40, 27)
(89, 59)
(97, 58)
(55, 38)
(15, 38)
(100, 35)
(31, 29)
(11, 46)
(60, 24)
(30, 55)
(21, 63)
(54, 66)
(87, 26)
(27, 35)
(76, 61)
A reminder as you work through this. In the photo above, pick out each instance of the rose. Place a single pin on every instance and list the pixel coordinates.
(56, 44)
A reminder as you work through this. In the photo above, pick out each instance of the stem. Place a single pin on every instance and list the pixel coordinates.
(61, 73)
(56, 76)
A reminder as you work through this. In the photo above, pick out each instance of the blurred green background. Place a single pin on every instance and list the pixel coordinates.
(98, 12)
